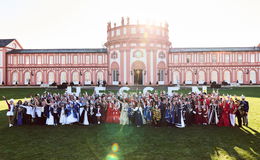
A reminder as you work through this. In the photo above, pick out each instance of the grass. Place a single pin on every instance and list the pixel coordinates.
(95, 142)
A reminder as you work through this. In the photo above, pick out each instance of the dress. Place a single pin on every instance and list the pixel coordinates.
(72, 116)
(138, 116)
(124, 120)
(224, 119)
(84, 117)
(213, 116)
(62, 116)
(50, 118)
(116, 115)
(109, 114)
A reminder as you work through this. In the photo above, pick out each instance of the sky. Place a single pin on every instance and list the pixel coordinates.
(83, 23)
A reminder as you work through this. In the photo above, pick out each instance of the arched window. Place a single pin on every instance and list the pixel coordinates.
(253, 76)
(188, 77)
(27, 77)
(51, 77)
(240, 76)
(214, 76)
(227, 76)
(15, 78)
(39, 78)
(63, 77)
(100, 76)
(176, 77)
(201, 77)
(75, 77)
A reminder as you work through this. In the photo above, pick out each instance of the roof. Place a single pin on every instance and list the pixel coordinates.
(5, 42)
(82, 50)
(220, 49)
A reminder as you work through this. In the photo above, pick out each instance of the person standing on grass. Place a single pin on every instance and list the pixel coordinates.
(10, 112)
(232, 114)
(246, 109)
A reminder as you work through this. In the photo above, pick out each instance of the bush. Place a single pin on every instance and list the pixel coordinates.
(54, 84)
(215, 85)
(205, 83)
(224, 83)
(71, 84)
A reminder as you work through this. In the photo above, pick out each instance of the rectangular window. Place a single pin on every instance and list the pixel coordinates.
(227, 58)
(133, 30)
(75, 59)
(252, 58)
(118, 32)
(161, 75)
(27, 60)
(15, 60)
(239, 58)
(99, 59)
(39, 60)
(188, 59)
(51, 59)
(214, 58)
(202, 60)
(115, 74)
(87, 59)
(63, 60)
(175, 58)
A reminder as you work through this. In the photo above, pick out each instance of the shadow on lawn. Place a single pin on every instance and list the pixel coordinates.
(136, 143)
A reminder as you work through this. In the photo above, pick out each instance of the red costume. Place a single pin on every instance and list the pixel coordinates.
(199, 115)
(109, 115)
(224, 118)
(205, 114)
(116, 115)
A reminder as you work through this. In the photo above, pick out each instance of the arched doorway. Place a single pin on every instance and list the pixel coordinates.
(39, 78)
(51, 78)
(176, 77)
(27, 77)
(188, 77)
(201, 77)
(214, 76)
(63, 77)
(138, 72)
(253, 76)
(240, 77)
(15, 77)
(227, 76)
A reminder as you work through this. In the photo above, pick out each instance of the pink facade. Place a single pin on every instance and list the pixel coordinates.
(135, 54)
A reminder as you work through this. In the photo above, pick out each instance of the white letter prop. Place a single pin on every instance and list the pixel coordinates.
(122, 89)
(170, 89)
(147, 89)
(97, 89)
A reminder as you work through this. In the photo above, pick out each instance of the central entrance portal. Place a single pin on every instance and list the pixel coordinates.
(138, 76)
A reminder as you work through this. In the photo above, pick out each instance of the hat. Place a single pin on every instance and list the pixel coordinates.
(242, 96)
(11, 100)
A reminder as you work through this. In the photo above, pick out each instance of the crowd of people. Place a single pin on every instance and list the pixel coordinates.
(137, 109)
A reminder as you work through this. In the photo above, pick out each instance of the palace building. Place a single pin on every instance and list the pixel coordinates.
(135, 54)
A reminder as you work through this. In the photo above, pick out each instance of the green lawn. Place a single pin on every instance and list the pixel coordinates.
(95, 142)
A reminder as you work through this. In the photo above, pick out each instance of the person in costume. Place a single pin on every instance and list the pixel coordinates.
(205, 113)
(116, 112)
(62, 114)
(148, 112)
(49, 113)
(124, 120)
(246, 109)
(138, 115)
(98, 113)
(156, 116)
(19, 113)
(109, 114)
(10, 112)
(92, 114)
(224, 118)
(180, 121)
(198, 113)
(213, 117)
(71, 113)
(232, 114)
(239, 112)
